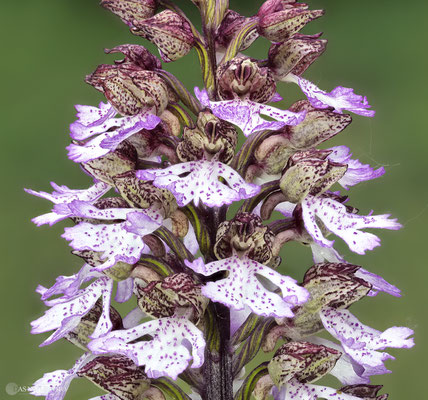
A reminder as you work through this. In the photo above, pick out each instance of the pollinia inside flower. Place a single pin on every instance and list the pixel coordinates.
(156, 227)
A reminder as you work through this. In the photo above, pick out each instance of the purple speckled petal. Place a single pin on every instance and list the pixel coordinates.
(345, 225)
(54, 385)
(340, 98)
(242, 288)
(360, 342)
(68, 285)
(166, 354)
(124, 290)
(66, 314)
(246, 114)
(117, 242)
(294, 390)
(100, 121)
(62, 196)
(356, 171)
(378, 283)
(201, 183)
(129, 127)
(92, 120)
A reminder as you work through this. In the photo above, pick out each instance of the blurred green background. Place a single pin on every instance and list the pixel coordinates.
(377, 47)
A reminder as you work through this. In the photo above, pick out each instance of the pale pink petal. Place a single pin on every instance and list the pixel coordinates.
(246, 114)
(322, 254)
(201, 183)
(242, 287)
(378, 283)
(118, 241)
(54, 385)
(93, 121)
(175, 342)
(340, 98)
(294, 390)
(68, 285)
(356, 172)
(361, 342)
(63, 196)
(124, 290)
(67, 312)
(342, 223)
(133, 318)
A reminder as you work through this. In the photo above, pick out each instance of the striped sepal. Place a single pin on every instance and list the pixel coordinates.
(175, 244)
(247, 388)
(201, 230)
(250, 204)
(170, 389)
(252, 344)
(188, 100)
(156, 264)
(236, 43)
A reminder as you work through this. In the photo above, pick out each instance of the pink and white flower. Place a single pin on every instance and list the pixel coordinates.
(242, 287)
(356, 172)
(175, 343)
(99, 121)
(62, 196)
(67, 311)
(117, 241)
(362, 343)
(340, 98)
(246, 114)
(54, 385)
(199, 181)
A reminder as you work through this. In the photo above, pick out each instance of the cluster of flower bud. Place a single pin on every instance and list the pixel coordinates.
(193, 198)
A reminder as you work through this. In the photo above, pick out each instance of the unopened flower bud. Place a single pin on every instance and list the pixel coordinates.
(295, 55)
(309, 172)
(244, 234)
(273, 153)
(121, 160)
(117, 375)
(317, 127)
(242, 78)
(130, 10)
(80, 335)
(211, 137)
(335, 284)
(167, 297)
(143, 194)
(365, 392)
(136, 55)
(129, 89)
(330, 284)
(279, 20)
(304, 361)
(169, 31)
